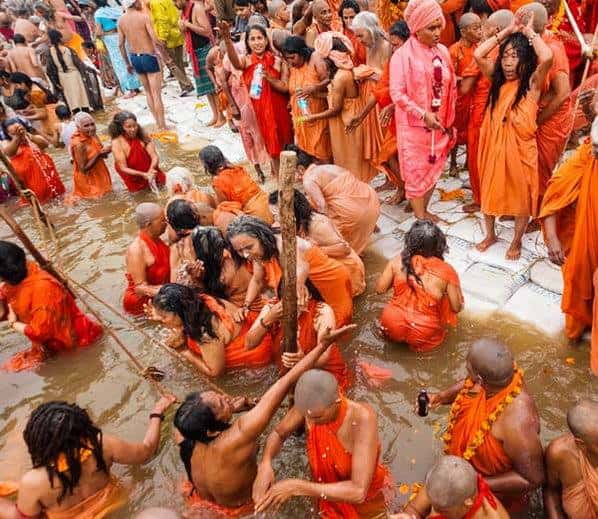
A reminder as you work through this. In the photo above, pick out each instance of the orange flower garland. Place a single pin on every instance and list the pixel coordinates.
(390, 12)
(557, 19)
(486, 426)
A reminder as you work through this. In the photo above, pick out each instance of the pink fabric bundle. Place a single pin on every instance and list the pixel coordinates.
(323, 46)
(421, 13)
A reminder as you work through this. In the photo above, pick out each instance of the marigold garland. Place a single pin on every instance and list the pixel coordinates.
(486, 425)
(390, 11)
(557, 19)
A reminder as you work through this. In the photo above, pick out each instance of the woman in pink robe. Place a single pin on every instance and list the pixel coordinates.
(423, 88)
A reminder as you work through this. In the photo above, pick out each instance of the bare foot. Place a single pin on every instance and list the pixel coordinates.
(219, 123)
(533, 226)
(385, 187)
(490, 240)
(471, 208)
(514, 251)
(212, 122)
(397, 198)
(429, 216)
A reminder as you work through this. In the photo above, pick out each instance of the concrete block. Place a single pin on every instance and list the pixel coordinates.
(538, 306)
(548, 276)
(468, 229)
(488, 283)
(495, 256)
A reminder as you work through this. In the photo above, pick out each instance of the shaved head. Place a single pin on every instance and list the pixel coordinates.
(315, 389)
(582, 419)
(450, 482)
(540, 15)
(157, 513)
(492, 361)
(501, 19)
(468, 19)
(146, 213)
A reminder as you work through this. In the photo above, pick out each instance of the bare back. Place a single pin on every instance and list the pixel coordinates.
(136, 28)
(27, 29)
(23, 59)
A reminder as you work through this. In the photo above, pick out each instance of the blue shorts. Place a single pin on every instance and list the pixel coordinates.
(145, 63)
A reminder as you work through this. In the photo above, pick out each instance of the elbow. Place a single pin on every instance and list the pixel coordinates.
(536, 480)
(358, 494)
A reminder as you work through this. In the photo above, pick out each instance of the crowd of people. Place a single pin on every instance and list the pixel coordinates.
(353, 88)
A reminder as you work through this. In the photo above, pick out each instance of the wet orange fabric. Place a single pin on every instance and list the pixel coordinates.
(581, 500)
(236, 185)
(414, 316)
(508, 156)
(272, 272)
(8, 488)
(490, 458)
(462, 57)
(96, 182)
(333, 281)
(572, 193)
(331, 463)
(312, 137)
(157, 274)
(210, 509)
(37, 171)
(552, 134)
(97, 506)
(54, 323)
(225, 213)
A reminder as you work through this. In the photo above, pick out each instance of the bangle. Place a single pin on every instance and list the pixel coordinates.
(267, 327)
(157, 415)
(497, 39)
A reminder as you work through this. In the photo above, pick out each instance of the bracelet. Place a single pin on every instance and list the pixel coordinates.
(157, 415)
(264, 324)
(497, 39)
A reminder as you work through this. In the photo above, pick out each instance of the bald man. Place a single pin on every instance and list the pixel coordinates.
(492, 406)
(343, 450)
(453, 489)
(572, 466)
(147, 259)
(322, 21)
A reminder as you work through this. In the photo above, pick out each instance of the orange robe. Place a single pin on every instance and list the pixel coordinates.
(516, 4)
(414, 316)
(331, 463)
(462, 56)
(53, 321)
(333, 281)
(312, 137)
(581, 500)
(236, 185)
(359, 51)
(206, 508)
(156, 274)
(508, 156)
(552, 134)
(96, 182)
(37, 171)
(452, 10)
(571, 195)
(225, 213)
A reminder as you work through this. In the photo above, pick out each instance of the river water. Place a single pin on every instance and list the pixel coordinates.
(94, 236)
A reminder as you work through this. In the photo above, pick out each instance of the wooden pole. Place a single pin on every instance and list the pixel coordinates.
(288, 165)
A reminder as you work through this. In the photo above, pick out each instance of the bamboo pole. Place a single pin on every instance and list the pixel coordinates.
(288, 164)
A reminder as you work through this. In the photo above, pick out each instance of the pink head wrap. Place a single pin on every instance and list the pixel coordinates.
(421, 13)
(323, 46)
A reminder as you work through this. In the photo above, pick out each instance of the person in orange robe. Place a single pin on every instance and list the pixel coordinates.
(348, 10)
(38, 306)
(508, 152)
(572, 473)
(427, 292)
(308, 76)
(91, 178)
(33, 167)
(72, 460)
(343, 450)
(452, 11)
(352, 205)
(148, 259)
(233, 184)
(570, 221)
(499, 437)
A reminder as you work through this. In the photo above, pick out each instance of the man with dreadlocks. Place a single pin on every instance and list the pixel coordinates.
(427, 292)
(71, 461)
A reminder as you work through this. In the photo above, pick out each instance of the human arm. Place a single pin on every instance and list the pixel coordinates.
(80, 157)
(359, 118)
(545, 60)
(561, 90)
(199, 23)
(556, 253)
(482, 56)
(120, 158)
(122, 40)
(467, 84)
(447, 396)
(324, 233)
(136, 265)
(212, 361)
(268, 316)
(552, 492)
(255, 287)
(300, 26)
(280, 85)
(335, 99)
(10, 147)
(386, 278)
(150, 147)
(398, 87)
(234, 58)
(314, 193)
(455, 297)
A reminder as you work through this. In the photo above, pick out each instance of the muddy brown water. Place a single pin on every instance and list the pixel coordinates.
(94, 236)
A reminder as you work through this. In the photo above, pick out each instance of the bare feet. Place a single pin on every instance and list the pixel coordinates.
(385, 187)
(219, 123)
(514, 251)
(483, 246)
(533, 226)
(429, 216)
(471, 208)
(397, 198)
(212, 122)
(260, 173)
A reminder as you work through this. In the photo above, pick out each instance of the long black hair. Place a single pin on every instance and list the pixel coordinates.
(528, 61)
(259, 28)
(56, 40)
(182, 216)
(13, 265)
(256, 228)
(116, 126)
(57, 429)
(297, 45)
(303, 209)
(182, 301)
(423, 239)
(303, 158)
(212, 159)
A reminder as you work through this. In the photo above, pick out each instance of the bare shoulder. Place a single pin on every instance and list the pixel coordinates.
(559, 449)
(35, 482)
(363, 414)
(523, 409)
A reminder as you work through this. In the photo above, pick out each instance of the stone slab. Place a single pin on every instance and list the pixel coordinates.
(548, 276)
(468, 229)
(538, 306)
(387, 247)
(386, 224)
(495, 256)
(488, 283)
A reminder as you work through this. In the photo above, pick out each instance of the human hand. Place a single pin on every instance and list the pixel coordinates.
(150, 311)
(556, 254)
(163, 404)
(290, 359)
(302, 294)
(274, 314)
(331, 335)
(242, 403)
(224, 28)
(305, 92)
(106, 149)
(353, 124)
(12, 316)
(130, 68)
(263, 482)
(182, 25)
(278, 494)
(239, 314)
(433, 402)
(195, 269)
(431, 121)
(385, 115)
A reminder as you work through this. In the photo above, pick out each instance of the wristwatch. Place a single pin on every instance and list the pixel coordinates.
(157, 415)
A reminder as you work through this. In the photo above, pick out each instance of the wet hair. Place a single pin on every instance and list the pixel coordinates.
(182, 216)
(260, 29)
(19, 38)
(18, 100)
(116, 126)
(182, 301)
(479, 7)
(348, 4)
(209, 246)
(256, 228)
(303, 209)
(4, 75)
(13, 265)
(56, 40)
(20, 78)
(423, 239)
(100, 3)
(370, 22)
(304, 159)
(57, 429)
(62, 112)
(400, 29)
(212, 159)
(195, 419)
(525, 68)
(241, 3)
(297, 45)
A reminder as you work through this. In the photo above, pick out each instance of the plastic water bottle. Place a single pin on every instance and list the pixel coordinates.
(303, 105)
(255, 89)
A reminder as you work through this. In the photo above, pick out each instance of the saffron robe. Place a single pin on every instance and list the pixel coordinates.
(462, 57)
(331, 463)
(236, 185)
(96, 182)
(156, 274)
(413, 315)
(581, 500)
(452, 11)
(139, 159)
(206, 508)
(508, 156)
